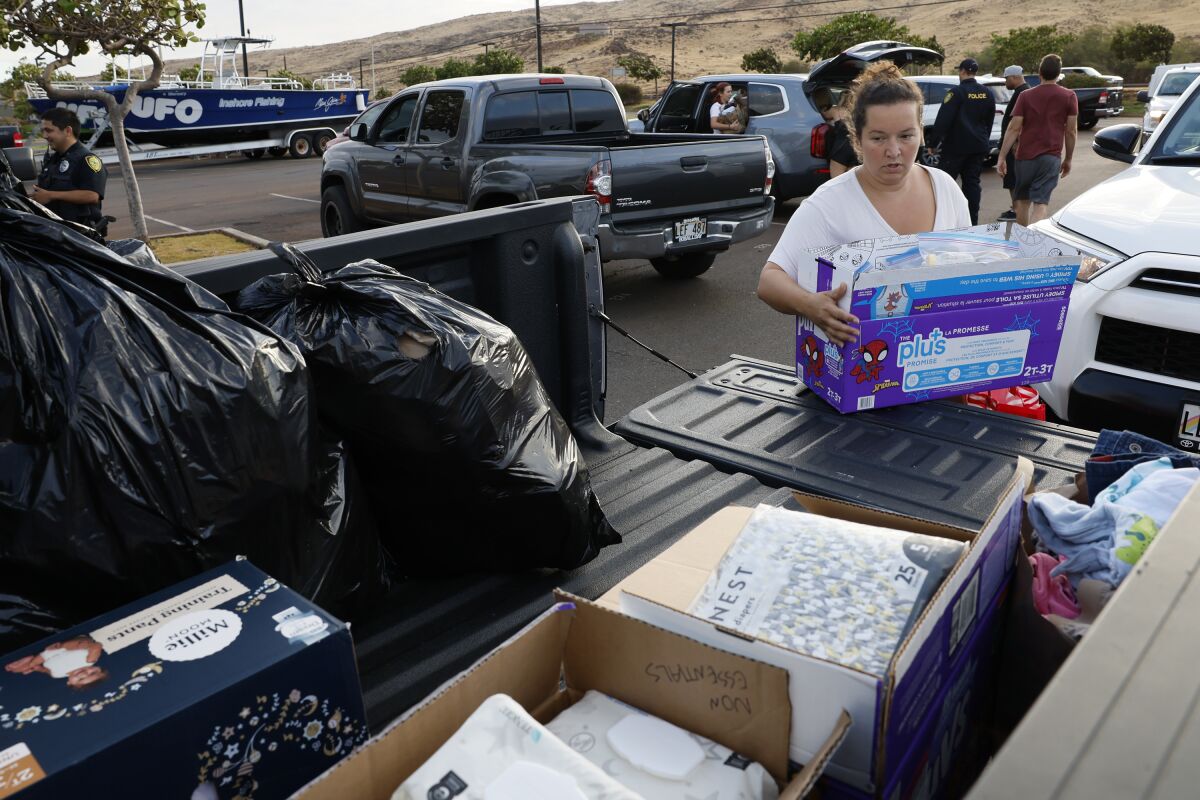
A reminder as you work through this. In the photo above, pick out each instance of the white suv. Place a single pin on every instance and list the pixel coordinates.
(1131, 348)
(1160, 99)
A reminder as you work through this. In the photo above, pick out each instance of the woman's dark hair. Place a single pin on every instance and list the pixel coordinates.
(881, 84)
(716, 91)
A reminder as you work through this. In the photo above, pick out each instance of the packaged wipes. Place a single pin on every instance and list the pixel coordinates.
(656, 759)
(502, 753)
(828, 588)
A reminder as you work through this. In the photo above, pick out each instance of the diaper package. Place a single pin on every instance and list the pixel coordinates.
(656, 759)
(502, 753)
(836, 590)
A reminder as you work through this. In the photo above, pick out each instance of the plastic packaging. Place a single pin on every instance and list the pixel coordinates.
(468, 465)
(148, 433)
(951, 247)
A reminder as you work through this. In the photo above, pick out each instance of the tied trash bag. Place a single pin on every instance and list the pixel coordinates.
(468, 465)
(148, 433)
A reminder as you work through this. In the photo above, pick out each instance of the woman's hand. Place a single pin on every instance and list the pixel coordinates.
(823, 310)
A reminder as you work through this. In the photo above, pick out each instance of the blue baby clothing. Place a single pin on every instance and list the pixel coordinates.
(1105, 540)
(1116, 452)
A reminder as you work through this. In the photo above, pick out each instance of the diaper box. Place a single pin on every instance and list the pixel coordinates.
(559, 671)
(228, 685)
(940, 314)
(917, 722)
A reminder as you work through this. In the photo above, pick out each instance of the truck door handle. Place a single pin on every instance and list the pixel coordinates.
(693, 163)
(447, 162)
(398, 159)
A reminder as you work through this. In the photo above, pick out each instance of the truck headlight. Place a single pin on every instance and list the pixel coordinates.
(1096, 257)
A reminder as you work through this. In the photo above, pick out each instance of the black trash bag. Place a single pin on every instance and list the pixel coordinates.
(468, 465)
(135, 251)
(22, 622)
(148, 433)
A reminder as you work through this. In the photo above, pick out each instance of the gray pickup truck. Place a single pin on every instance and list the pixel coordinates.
(471, 143)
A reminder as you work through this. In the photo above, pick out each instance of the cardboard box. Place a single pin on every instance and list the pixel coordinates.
(910, 725)
(938, 331)
(738, 702)
(226, 685)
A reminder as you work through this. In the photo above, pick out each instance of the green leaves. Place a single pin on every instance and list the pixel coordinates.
(640, 67)
(763, 59)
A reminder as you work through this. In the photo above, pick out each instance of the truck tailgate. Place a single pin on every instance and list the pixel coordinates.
(938, 461)
(680, 179)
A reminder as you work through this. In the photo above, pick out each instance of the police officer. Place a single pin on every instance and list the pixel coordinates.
(72, 180)
(963, 131)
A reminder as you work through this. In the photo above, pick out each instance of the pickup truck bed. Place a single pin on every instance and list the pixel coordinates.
(739, 434)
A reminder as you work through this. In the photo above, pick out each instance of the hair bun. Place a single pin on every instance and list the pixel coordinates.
(880, 71)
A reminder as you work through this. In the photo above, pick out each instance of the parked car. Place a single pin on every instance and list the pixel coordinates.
(367, 117)
(1169, 89)
(1092, 72)
(1134, 319)
(1094, 102)
(1161, 70)
(462, 144)
(781, 108)
(934, 87)
(11, 136)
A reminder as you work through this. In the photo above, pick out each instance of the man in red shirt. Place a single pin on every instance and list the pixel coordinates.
(1044, 120)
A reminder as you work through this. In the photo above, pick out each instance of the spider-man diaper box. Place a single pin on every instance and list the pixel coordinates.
(227, 685)
(940, 314)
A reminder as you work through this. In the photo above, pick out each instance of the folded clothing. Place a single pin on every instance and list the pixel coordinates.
(1117, 452)
(502, 753)
(1105, 540)
(1052, 594)
(836, 590)
(657, 759)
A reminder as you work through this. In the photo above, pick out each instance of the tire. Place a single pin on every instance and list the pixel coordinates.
(337, 217)
(320, 142)
(277, 152)
(931, 160)
(254, 154)
(680, 267)
(301, 146)
(1088, 124)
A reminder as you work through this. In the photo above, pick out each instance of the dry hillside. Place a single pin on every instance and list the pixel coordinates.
(720, 31)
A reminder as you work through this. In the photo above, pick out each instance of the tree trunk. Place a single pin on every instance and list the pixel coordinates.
(133, 193)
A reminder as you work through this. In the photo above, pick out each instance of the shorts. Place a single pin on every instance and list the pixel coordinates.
(1036, 178)
(1010, 175)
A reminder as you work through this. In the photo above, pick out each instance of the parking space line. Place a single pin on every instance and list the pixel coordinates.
(289, 197)
(172, 224)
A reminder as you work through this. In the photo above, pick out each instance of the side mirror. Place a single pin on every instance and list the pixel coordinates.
(1119, 143)
(358, 132)
(644, 115)
(1143, 96)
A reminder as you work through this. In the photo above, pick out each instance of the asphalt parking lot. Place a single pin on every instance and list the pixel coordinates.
(699, 323)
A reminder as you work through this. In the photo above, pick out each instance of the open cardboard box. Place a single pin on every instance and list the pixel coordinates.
(915, 726)
(578, 646)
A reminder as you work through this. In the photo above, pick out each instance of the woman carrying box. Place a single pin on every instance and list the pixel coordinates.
(885, 196)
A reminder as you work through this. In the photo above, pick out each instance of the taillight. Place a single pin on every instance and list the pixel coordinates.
(548, 81)
(770, 168)
(599, 184)
(816, 141)
(1104, 98)
(18, 140)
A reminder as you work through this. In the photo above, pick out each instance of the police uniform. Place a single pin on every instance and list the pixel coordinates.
(77, 168)
(962, 134)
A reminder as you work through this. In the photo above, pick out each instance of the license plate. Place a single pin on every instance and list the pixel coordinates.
(691, 229)
(1188, 434)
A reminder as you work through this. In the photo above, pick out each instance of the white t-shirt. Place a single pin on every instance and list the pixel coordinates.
(839, 212)
(715, 110)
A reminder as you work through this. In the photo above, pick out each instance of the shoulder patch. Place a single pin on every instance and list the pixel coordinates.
(949, 96)
(94, 163)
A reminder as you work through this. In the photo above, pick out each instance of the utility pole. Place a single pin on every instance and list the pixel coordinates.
(242, 22)
(673, 26)
(537, 12)
(486, 45)
(361, 61)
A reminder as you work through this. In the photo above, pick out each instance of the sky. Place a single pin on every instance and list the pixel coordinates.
(296, 23)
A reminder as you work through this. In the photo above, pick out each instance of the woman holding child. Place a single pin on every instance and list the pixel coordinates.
(888, 195)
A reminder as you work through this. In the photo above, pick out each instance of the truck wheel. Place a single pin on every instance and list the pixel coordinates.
(321, 142)
(277, 152)
(337, 217)
(927, 158)
(1088, 124)
(301, 146)
(689, 266)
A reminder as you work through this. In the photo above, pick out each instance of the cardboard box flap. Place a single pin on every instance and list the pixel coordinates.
(527, 668)
(804, 781)
(711, 692)
(840, 509)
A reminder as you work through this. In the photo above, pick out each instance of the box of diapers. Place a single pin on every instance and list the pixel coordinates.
(656, 759)
(502, 753)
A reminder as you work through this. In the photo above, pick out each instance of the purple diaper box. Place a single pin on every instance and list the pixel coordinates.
(940, 314)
